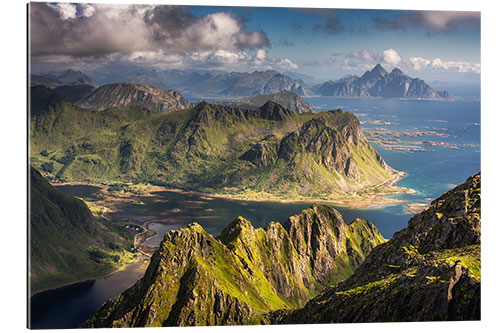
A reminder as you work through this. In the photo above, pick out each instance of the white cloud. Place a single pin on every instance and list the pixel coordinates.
(103, 29)
(87, 9)
(418, 63)
(391, 57)
(456, 66)
(65, 10)
(365, 59)
(286, 64)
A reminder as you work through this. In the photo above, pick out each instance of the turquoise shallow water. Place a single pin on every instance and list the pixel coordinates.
(430, 173)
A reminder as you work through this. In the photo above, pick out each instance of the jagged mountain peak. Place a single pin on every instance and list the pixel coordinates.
(195, 279)
(379, 70)
(378, 83)
(274, 111)
(397, 71)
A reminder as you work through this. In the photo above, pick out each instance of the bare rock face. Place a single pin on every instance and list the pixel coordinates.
(430, 270)
(195, 279)
(351, 170)
(120, 95)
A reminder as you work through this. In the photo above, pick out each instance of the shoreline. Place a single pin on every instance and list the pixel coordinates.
(370, 199)
(353, 202)
(89, 279)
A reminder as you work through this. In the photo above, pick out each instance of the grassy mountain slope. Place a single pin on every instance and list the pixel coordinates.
(196, 279)
(67, 244)
(289, 100)
(430, 270)
(265, 152)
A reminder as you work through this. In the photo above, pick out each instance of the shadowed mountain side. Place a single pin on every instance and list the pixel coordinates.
(66, 243)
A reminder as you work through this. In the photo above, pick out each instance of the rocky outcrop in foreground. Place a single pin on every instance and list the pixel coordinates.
(430, 270)
(196, 279)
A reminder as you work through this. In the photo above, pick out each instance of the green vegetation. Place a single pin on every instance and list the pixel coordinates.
(269, 152)
(236, 278)
(69, 244)
(430, 270)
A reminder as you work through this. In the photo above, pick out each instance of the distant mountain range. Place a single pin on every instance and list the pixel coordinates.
(65, 78)
(375, 83)
(288, 100)
(378, 83)
(225, 84)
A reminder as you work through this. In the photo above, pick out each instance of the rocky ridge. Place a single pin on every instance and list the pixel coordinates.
(196, 279)
(430, 270)
(120, 95)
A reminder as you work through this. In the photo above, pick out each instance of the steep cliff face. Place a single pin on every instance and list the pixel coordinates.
(430, 270)
(329, 151)
(120, 95)
(195, 279)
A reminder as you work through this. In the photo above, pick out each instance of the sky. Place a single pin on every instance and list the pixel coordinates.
(319, 44)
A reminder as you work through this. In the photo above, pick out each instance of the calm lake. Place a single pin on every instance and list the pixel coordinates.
(430, 173)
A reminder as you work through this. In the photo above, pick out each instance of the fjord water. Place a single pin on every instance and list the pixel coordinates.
(430, 173)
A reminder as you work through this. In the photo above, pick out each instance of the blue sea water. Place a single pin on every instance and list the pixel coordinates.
(431, 172)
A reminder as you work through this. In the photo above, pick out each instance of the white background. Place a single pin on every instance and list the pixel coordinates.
(13, 161)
